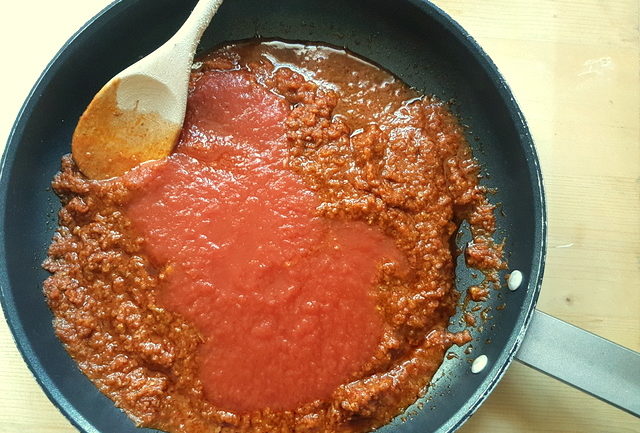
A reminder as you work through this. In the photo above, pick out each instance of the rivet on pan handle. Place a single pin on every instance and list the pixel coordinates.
(593, 364)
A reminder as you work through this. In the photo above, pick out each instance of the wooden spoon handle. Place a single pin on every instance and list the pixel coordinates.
(191, 31)
(177, 53)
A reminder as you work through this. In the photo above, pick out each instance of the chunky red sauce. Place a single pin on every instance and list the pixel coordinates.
(289, 266)
(281, 296)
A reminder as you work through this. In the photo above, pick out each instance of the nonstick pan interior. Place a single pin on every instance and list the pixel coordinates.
(412, 39)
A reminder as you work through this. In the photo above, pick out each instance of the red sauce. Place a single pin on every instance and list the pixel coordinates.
(289, 266)
(281, 296)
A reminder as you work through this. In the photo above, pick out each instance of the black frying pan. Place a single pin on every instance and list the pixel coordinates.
(411, 38)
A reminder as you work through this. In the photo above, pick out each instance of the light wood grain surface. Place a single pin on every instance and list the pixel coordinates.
(574, 69)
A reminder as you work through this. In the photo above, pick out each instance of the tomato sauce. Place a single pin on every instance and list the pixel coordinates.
(290, 266)
(281, 296)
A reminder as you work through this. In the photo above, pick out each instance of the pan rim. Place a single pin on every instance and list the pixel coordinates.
(540, 230)
(53, 393)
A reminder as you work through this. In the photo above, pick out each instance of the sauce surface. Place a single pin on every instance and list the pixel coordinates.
(281, 296)
(289, 267)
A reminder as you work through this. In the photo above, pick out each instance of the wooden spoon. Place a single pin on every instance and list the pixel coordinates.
(137, 116)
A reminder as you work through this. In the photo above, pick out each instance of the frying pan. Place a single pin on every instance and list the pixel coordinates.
(411, 38)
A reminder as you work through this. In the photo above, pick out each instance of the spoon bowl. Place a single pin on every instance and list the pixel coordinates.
(137, 116)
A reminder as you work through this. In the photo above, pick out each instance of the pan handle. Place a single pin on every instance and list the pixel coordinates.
(597, 366)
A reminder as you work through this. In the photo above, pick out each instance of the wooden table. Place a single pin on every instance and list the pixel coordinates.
(574, 68)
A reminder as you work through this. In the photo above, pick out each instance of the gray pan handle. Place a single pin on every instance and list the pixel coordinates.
(584, 360)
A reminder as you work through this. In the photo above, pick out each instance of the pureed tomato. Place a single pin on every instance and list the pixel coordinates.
(281, 296)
